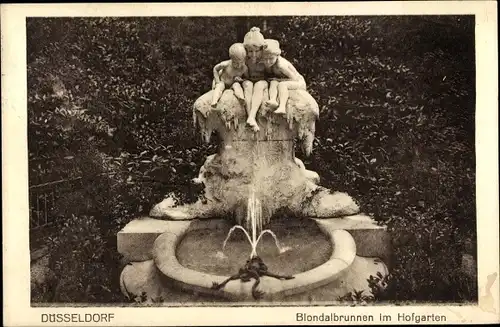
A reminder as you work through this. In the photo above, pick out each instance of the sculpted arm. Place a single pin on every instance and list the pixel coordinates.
(287, 69)
(219, 67)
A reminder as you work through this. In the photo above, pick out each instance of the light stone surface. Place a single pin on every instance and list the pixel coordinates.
(263, 163)
(229, 118)
(343, 254)
(333, 279)
(139, 277)
(145, 277)
(372, 240)
(136, 239)
(312, 176)
(327, 204)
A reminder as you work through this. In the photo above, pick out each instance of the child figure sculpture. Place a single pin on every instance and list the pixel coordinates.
(286, 77)
(229, 73)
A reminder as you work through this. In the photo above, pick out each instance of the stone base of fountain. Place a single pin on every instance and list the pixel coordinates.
(361, 248)
(248, 181)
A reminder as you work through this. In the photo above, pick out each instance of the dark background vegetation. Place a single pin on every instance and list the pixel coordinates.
(110, 100)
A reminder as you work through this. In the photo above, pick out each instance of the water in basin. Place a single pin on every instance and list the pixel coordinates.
(308, 248)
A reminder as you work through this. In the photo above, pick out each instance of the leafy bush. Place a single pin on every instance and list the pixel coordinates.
(81, 263)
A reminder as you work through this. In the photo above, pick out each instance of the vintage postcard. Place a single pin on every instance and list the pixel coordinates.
(250, 163)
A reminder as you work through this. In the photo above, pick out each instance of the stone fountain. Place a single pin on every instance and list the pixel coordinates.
(253, 176)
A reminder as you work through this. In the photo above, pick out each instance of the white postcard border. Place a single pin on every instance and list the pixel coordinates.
(17, 310)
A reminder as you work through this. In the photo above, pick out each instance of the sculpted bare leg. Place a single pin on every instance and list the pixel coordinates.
(248, 91)
(218, 90)
(273, 94)
(238, 92)
(258, 94)
(283, 88)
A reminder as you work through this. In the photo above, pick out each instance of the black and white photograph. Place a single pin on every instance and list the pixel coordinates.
(258, 160)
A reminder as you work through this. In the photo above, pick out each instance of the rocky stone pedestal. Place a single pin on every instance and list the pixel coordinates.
(261, 163)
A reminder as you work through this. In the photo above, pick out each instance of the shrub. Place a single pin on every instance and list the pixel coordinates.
(81, 263)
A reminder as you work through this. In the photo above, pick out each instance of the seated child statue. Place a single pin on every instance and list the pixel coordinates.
(285, 76)
(229, 73)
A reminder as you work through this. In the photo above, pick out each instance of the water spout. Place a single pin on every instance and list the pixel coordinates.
(231, 231)
(254, 220)
(254, 224)
(268, 231)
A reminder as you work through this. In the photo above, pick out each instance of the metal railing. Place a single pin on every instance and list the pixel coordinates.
(44, 215)
(42, 202)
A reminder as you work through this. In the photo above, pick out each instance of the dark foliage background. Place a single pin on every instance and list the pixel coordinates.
(109, 100)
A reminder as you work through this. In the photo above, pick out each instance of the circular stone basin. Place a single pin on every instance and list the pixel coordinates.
(307, 248)
(165, 256)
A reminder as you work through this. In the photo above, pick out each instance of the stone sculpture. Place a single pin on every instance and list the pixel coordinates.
(258, 144)
(254, 174)
(230, 73)
(253, 268)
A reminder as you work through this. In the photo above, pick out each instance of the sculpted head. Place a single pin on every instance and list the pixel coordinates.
(271, 52)
(238, 54)
(254, 44)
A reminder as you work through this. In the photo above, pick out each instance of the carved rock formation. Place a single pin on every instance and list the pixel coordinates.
(262, 162)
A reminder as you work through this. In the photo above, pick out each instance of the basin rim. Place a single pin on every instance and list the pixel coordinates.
(165, 259)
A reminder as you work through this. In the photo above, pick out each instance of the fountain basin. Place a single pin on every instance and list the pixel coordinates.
(296, 249)
(165, 259)
(139, 242)
(135, 241)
